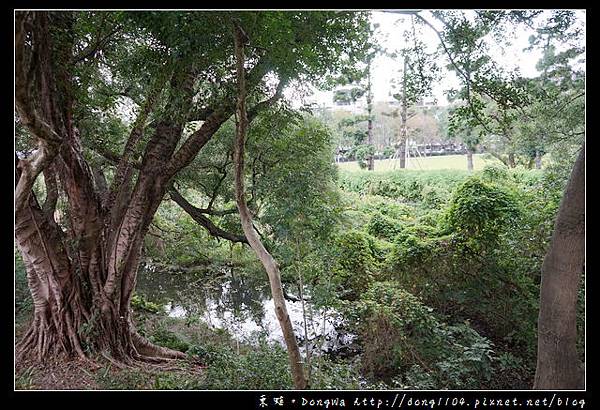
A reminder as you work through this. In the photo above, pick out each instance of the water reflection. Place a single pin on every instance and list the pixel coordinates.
(242, 305)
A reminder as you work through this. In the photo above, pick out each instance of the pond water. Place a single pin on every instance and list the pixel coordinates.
(242, 305)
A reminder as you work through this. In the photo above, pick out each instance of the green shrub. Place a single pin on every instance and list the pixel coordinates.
(167, 338)
(479, 209)
(264, 367)
(404, 185)
(139, 302)
(402, 336)
(178, 381)
(409, 249)
(434, 197)
(355, 263)
(495, 172)
(383, 226)
(391, 322)
(328, 374)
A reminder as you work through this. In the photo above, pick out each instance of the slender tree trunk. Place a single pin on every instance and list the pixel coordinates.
(511, 160)
(538, 159)
(403, 117)
(402, 154)
(469, 159)
(558, 365)
(265, 257)
(370, 159)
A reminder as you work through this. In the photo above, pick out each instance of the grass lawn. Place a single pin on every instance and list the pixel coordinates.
(428, 163)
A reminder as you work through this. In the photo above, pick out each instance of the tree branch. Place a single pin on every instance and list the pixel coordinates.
(211, 125)
(113, 158)
(197, 215)
(267, 260)
(47, 137)
(124, 164)
(254, 111)
(93, 48)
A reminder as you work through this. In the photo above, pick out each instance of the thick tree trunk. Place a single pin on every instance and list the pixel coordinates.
(58, 308)
(82, 279)
(66, 284)
(558, 365)
(68, 299)
(265, 257)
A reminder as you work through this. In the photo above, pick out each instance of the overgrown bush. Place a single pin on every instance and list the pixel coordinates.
(263, 367)
(139, 302)
(355, 264)
(383, 226)
(402, 336)
(480, 210)
(404, 185)
(167, 338)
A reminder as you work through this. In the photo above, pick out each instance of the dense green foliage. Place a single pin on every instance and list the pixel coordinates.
(468, 261)
(436, 274)
(406, 186)
(439, 271)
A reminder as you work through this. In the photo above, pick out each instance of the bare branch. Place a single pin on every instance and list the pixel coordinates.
(93, 48)
(198, 215)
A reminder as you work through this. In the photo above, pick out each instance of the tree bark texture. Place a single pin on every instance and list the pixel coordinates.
(558, 364)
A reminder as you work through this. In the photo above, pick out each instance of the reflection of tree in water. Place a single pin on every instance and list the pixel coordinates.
(234, 300)
(237, 293)
(241, 295)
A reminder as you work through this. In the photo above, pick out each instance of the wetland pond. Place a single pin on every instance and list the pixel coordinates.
(242, 305)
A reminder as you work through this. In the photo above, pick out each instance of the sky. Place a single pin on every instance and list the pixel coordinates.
(391, 26)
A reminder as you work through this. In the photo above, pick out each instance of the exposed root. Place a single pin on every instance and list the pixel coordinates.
(150, 350)
(119, 364)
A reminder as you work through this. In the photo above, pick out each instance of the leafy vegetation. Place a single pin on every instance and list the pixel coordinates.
(130, 188)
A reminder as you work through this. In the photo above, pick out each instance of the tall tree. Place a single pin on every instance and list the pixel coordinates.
(72, 71)
(370, 158)
(402, 140)
(558, 364)
(419, 71)
(360, 84)
(269, 263)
